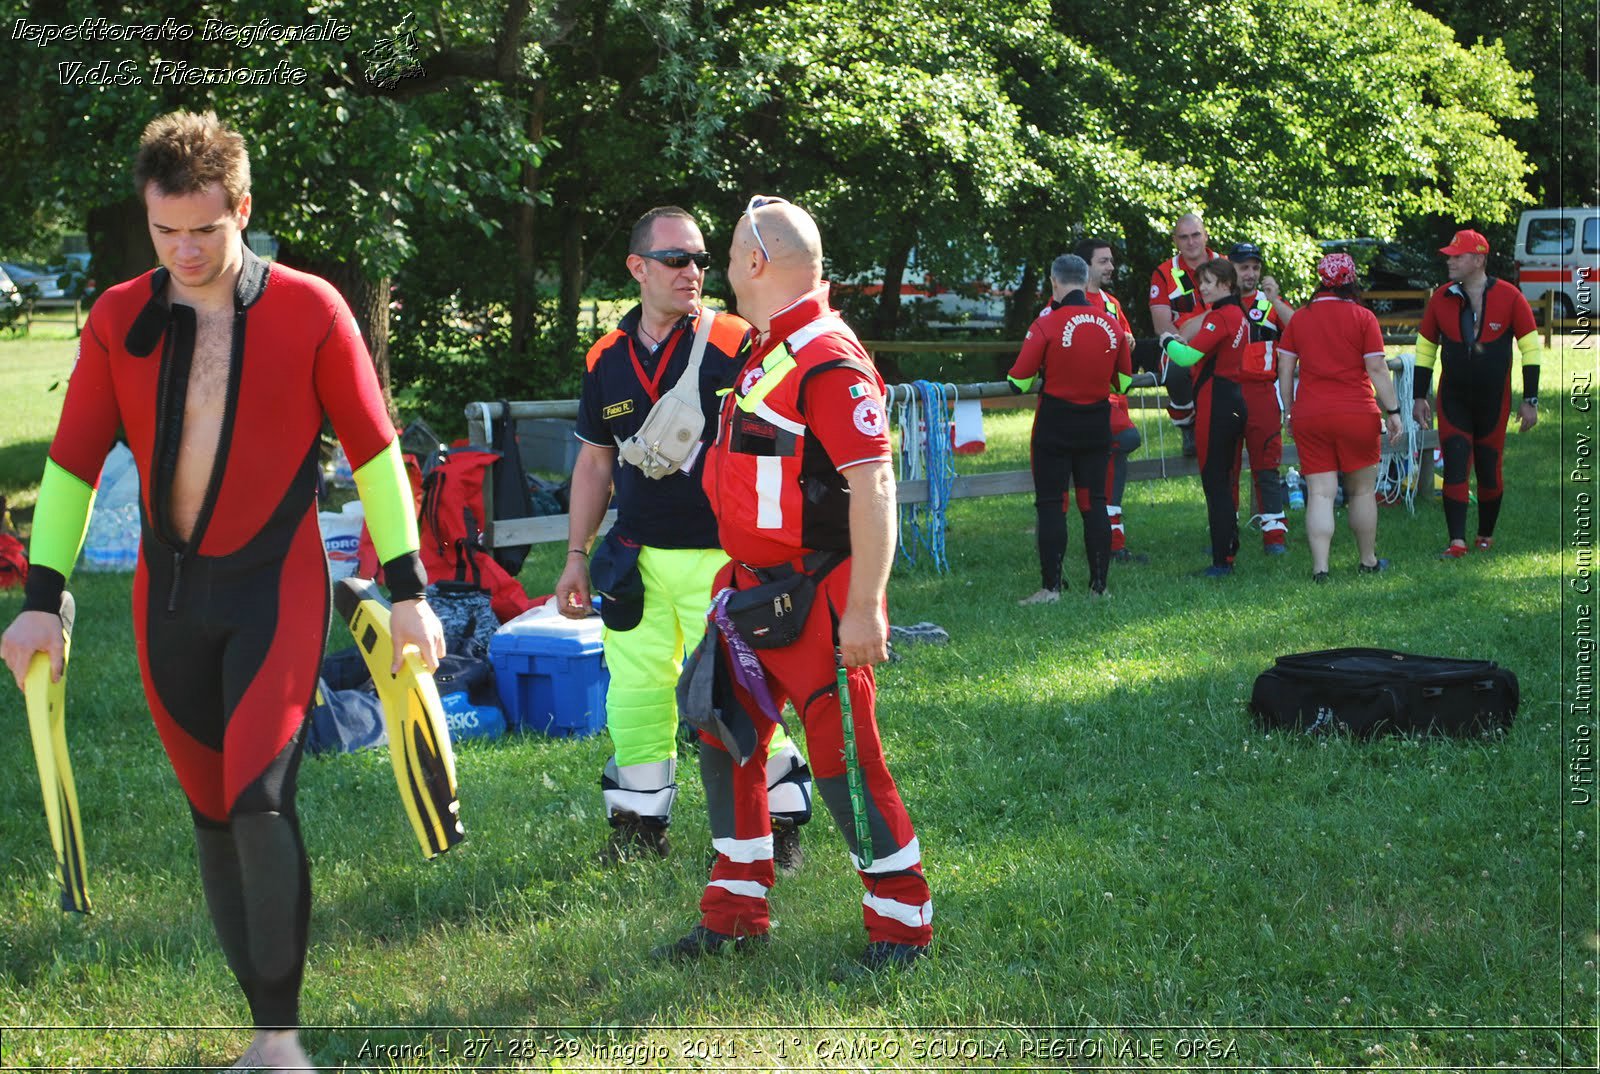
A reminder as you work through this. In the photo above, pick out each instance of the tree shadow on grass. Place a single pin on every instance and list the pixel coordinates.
(21, 464)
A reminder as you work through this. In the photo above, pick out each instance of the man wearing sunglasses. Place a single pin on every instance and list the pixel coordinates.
(667, 524)
(801, 480)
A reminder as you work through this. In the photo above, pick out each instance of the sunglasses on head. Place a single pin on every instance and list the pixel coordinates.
(758, 202)
(677, 259)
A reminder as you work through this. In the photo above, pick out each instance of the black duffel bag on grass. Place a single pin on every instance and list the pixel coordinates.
(1365, 692)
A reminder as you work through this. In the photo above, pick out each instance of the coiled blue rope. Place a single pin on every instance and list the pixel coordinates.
(923, 411)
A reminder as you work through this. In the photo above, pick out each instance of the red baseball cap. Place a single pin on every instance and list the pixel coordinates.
(1466, 242)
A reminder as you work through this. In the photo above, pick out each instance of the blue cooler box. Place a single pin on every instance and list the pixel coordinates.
(551, 673)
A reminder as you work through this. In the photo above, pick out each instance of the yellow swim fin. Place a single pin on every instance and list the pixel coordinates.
(47, 723)
(419, 737)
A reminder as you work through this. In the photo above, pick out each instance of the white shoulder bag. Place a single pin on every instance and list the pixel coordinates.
(669, 439)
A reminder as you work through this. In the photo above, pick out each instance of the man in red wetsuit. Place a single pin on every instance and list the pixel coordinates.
(1072, 354)
(1175, 300)
(1267, 315)
(220, 369)
(1125, 438)
(1470, 328)
(801, 482)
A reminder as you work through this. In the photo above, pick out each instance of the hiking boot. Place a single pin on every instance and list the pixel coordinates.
(1188, 440)
(633, 838)
(1377, 568)
(1044, 596)
(701, 941)
(787, 857)
(882, 954)
(1483, 544)
(1454, 551)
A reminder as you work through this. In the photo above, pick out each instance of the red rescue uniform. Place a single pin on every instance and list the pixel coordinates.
(1172, 285)
(807, 406)
(1075, 350)
(1337, 427)
(1263, 428)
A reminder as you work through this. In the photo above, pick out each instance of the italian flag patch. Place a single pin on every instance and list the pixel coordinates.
(857, 391)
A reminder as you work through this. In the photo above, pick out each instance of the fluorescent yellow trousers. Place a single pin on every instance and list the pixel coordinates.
(641, 701)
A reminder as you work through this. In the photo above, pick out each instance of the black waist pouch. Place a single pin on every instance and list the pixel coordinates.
(614, 575)
(1366, 692)
(773, 614)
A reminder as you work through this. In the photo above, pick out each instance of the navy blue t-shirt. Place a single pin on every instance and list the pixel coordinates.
(621, 383)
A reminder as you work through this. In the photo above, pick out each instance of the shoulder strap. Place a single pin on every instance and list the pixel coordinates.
(691, 372)
(819, 327)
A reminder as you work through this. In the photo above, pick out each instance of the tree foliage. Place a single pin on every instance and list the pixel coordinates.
(494, 177)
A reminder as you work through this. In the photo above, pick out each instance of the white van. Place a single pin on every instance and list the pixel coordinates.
(1559, 250)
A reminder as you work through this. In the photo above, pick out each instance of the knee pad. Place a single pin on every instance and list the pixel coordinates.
(647, 790)
(789, 785)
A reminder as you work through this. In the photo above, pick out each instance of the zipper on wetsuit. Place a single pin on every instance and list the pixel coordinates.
(160, 478)
(177, 577)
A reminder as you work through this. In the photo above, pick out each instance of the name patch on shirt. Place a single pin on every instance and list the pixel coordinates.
(617, 410)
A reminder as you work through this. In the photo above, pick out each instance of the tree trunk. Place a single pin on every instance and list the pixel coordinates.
(574, 274)
(368, 300)
(1024, 304)
(119, 242)
(1020, 312)
(887, 316)
(524, 298)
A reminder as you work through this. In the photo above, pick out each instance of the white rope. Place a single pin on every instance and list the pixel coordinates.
(1398, 464)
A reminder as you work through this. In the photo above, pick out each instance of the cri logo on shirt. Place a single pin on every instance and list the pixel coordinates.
(869, 417)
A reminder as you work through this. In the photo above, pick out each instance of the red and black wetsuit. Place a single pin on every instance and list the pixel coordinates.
(1474, 353)
(230, 625)
(1216, 355)
(1077, 349)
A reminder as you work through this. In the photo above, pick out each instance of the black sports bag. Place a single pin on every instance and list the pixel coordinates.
(1366, 692)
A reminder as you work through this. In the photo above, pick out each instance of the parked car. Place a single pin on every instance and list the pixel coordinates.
(1559, 250)
(35, 281)
(1386, 265)
(10, 296)
(50, 284)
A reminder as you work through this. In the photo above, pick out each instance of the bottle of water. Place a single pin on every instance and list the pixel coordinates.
(1297, 490)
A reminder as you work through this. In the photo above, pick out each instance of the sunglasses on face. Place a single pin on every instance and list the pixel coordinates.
(678, 259)
(758, 202)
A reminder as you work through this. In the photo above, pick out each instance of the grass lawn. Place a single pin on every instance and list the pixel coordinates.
(1127, 873)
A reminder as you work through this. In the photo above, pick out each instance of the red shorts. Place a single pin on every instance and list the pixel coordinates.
(1339, 441)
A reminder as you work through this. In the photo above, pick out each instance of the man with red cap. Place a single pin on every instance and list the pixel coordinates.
(1468, 331)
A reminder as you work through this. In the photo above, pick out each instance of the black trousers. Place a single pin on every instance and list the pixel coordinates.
(1071, 446)
(1220, 416)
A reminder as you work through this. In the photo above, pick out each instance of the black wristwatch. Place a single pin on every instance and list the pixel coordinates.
(1531, 400)
(1396, 410)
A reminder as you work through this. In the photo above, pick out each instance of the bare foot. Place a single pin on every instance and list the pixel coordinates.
(273, 1050)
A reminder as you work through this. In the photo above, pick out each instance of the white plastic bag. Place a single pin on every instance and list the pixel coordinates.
(341, 538)
(112, 543)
